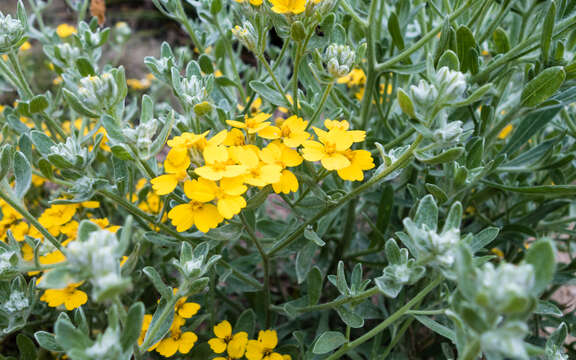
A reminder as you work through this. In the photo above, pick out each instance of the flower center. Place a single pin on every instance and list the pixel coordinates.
(330, 148)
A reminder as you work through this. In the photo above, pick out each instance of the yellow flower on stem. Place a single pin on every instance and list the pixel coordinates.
(56, 216)
(225, 340)
(360, 160)
(196, 212)
(175, 165)
(251, 124)
(280, 154)
(257, 103)
(330, 150)
(356, 77)
(357, 135)
(228, 194)
(292, 131)
(288, 6)
(263, 348)
(259, 173)
(177, 341)
(218, 164)
(69, 296)
(145, 325)
(186, 309)
(65, 30)
(235, 138)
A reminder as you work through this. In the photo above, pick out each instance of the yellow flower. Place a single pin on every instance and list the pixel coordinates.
(292, 131)
(219, 164)
(186, 309)
(498, 252)
(196, 212)
(360, 160)
(70, 296)
(145, 325)
(357, 135)
(505, 132)
(235, 138)
(65, 30)
(257, 103)
(25, 47)
(56, 216)
(330, 150)
(263, 348)
(282, 155)
(225, 340)
(356, 77)
(228, 194)
(288, 6)
(178, 341)
(251, 124)
(175, 165)
(259, 172)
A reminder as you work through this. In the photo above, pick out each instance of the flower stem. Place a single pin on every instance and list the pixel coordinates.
(386, 323)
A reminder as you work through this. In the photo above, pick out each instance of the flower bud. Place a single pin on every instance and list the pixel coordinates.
(122, 32)
(246, 35)
(71, 151)
(339, 60)
(505, 289)
(451, 83)
(297, 31)
(450, 132)
(8, 264)
(424, 95)
(98, 92)
(11, 32)
(15, 303)
(141, 136)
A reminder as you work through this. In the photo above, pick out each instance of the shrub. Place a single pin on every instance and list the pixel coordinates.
(307, 180)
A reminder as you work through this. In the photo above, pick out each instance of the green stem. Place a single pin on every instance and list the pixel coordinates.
(389, 321)
(341, 301)
(406, 156)
(26, 91)
(274, 79)
(183, 18)
(265, 265)
(231, 56)
(320, 106)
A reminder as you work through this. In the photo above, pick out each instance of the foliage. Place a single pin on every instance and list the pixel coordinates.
(313, 179)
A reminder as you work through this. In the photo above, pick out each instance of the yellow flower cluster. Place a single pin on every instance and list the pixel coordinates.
(253, 153)
(177, 340)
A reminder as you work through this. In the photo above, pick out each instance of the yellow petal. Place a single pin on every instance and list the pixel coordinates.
(207, 218)
(217, 345)
(202, 190)
(313, 150)
(164, 184)
(270, 132)
(213, 154)
(167, 347)
(223, 330)
(335, 161)
(288, 183)
(230, 206)
(182, 217)
(187, 341)
(268, 338)
(75, 300)
(187, 310)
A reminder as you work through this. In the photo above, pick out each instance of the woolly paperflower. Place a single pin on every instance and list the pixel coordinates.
(288, 6)
(251, 124)
(186, 309)
(330, 150)
(292, 131)
(360, 160)
(204, 216)
(228, 194)
(218, 164)
(225, 340)
(263, 348)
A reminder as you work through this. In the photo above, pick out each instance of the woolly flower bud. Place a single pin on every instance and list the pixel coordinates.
(106, 346)
(193, 90)
(424, 95)
(67, 53)
(70, 150)
(449, 132)
(451, 83)
(246, 35)
(321, 6)
(339, 60)
(142, 135)
(98, 92)
(16, 303)
(11, 32)
(506, 288)
(443, 245)
(8, 264)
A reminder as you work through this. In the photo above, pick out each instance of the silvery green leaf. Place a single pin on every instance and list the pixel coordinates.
(328, 341)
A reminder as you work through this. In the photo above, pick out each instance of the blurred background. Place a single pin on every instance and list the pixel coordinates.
(149, 28)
